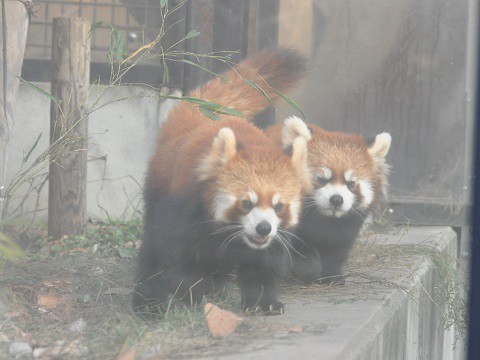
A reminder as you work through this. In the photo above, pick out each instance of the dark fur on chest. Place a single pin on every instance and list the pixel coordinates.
(183, 256)
(325, 245)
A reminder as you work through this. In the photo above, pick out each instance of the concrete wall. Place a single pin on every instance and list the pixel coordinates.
(122, 137)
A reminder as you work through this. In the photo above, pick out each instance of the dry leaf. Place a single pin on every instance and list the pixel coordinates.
(296, 329)
(47, 301)
(220, 322)
(127, 355)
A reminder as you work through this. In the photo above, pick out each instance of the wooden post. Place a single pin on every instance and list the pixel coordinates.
(68, 126)
(263, 35)
(13, 29)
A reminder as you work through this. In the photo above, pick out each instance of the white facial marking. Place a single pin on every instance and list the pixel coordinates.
(326, 173)
(253, 197)
(223, 202)
(275, 199)
(322, 199)
(251, 221)
(367, 192)
(294, 212)
(349, 175)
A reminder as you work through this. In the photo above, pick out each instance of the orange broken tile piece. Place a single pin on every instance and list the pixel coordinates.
(221, 323)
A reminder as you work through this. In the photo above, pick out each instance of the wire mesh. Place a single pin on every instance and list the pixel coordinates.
(129, 17)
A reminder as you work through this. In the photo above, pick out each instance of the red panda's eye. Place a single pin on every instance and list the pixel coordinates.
(247, 205)
(278, 207)
(322, 181)
(351, 184)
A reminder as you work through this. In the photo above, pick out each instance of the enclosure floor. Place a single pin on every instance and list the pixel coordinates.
(372, 316)
(389, 308)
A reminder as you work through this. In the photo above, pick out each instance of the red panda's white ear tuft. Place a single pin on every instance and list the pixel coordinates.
(224, 148)
(293, 127)
(300, 160)
(381, 145)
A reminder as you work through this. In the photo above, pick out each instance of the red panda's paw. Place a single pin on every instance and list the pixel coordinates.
(275, 308)
(332, 280)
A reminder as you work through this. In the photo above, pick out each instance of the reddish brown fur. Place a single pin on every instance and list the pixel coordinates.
(187, 135)
(339, 152)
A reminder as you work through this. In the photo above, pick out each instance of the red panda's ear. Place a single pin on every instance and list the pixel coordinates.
(294, 127)
(300, 160)
(380, 146)
(224, 148)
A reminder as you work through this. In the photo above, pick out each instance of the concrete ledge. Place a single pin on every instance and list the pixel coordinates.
(397, 319)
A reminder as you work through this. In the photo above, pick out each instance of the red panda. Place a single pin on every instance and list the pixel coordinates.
(348, 180)
(220, 195)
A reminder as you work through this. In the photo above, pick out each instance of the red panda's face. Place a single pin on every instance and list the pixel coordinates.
(258, 201)
(254, 192)
(347, 174)
(340, 191)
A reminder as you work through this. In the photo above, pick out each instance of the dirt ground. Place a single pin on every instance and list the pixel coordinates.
(70, 298)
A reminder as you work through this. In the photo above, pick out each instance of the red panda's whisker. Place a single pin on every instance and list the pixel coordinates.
(289, 233)
(231, 238)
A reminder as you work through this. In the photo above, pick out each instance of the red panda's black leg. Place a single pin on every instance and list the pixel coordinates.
(150, 293)
(306, 265)
(332, 260)
(260, 284)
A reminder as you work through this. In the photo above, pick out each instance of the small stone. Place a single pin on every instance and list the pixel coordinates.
(38, 352)
(97, 270)
(94, 248)
(4, 338)
(20, 350)
(138, 243)
(129, 244)
(153, 352)
(78, 326)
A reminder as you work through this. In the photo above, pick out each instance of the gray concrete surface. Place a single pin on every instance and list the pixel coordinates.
(122, 136)
(372, 321)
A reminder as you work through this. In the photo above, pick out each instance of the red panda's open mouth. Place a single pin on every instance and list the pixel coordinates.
(260, 240)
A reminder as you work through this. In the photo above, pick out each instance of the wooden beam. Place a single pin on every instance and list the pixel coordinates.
(69, 127)
(41, 70)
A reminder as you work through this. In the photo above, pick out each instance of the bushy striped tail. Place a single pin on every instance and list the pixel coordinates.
(254, 83)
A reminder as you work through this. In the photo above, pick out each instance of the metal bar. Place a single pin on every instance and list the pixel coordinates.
(427, 213)
(473, 346)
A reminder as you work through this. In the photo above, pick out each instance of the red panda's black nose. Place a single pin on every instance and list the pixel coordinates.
(336, 200)
(264, 228)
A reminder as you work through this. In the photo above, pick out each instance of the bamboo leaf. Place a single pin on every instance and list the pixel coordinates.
(25, 158)
(205, 69)
(166, 75)
(192, 33)
(93, 27)
(222, 109)
(192, 100)
(208, 113)
(121, 49)
(252, 84)
(292, 103)
(41, 91)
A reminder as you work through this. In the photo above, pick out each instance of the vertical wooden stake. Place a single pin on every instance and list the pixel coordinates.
(69, 127)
